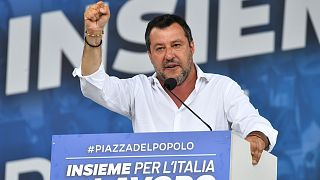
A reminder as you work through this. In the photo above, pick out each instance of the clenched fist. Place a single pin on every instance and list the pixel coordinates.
(96, 17)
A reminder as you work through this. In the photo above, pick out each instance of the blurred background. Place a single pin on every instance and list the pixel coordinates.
(271, 48)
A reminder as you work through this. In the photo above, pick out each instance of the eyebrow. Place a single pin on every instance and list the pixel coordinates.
(159, 44)
(175, 41)
(178, 40)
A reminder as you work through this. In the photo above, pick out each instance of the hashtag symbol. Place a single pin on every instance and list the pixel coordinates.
(90, 149)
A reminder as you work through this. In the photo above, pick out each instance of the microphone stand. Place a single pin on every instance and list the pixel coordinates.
(189, 109)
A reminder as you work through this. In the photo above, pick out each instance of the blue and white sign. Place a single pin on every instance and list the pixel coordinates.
(146, 156)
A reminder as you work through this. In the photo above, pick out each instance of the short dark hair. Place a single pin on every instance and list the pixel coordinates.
(164, 21)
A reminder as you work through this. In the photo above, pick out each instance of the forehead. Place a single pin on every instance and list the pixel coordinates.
(167, 34)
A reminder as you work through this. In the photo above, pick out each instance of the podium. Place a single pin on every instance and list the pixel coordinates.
(217, 155)
(241, 167)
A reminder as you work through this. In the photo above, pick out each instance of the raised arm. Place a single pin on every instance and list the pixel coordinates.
(95, 18)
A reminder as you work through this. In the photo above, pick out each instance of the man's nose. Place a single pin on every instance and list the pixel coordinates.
(169, 53)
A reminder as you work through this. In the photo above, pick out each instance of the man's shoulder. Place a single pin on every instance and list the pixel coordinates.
(142, 79)
(214, 78)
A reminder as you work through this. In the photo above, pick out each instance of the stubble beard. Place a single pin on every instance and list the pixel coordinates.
(182, 76)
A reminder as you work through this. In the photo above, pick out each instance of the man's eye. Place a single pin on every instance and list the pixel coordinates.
(159, 48)
(177, 45)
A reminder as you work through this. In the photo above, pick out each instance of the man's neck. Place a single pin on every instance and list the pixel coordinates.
(185, 89)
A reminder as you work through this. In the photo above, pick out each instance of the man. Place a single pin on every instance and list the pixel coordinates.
(150, 106)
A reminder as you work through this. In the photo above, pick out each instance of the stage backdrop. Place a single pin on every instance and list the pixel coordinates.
(271, 48)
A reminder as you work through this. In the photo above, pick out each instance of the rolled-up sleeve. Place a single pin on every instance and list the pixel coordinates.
(244, 117)
(110, 92)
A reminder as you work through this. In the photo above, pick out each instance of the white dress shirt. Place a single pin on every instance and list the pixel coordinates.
(217, 99)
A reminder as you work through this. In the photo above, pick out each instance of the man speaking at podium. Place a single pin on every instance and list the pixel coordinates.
(179, 96)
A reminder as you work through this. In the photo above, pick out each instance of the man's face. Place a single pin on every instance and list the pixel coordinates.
(171, 53)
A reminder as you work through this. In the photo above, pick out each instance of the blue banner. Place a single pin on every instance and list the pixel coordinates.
(126, 156)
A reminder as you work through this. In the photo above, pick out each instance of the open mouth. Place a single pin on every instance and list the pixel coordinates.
(171, 65)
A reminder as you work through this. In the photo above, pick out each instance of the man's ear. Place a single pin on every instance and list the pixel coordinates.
(192, 47)
(149, 54)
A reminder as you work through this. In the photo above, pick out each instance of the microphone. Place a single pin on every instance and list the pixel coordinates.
(170, 84)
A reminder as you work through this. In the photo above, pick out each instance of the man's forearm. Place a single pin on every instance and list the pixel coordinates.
(95, 18)
(91, 58)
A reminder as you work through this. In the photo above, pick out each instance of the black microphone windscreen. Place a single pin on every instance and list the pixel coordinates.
(170, 83)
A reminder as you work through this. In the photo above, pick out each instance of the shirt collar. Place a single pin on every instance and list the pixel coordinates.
(154, 80)
(201, 75)
(201, 78)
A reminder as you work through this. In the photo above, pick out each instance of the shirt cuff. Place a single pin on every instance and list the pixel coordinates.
(262, 136)
(269, 132)
(97, 78)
